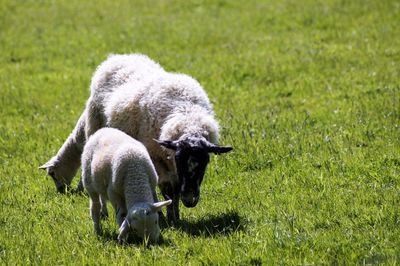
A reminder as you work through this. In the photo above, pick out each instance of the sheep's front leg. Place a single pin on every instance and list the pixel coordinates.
(170, 191)
(79, 188)
(95, 207)
(173, 209)
(120, 215)
(118, 204)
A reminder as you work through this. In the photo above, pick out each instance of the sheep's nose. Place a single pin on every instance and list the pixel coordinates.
(190, 200)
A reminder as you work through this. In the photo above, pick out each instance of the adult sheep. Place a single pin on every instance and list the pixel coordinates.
(169, 113)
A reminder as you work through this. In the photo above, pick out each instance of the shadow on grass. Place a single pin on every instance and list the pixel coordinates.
(214, 225)
(223, 224)
(110, 236)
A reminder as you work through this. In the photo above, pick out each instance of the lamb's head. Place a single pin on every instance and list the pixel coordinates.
(60, 173)
(142, 219)
(191, 159)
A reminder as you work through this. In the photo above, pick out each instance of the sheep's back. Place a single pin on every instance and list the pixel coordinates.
(118, 70)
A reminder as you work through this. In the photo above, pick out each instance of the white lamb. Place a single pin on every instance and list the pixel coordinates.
(136, 95)
(118, 168)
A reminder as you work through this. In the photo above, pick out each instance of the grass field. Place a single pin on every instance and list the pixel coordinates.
(307, 92)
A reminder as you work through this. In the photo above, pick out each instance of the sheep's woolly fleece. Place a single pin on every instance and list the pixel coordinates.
(135, 94)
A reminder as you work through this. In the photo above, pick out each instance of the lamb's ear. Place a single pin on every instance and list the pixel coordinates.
(50, 165)
(173, 145)
(123, 232)
(47, 165)
(159, 205)
(216, 149)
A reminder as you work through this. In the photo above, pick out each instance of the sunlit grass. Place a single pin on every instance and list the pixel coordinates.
(307, 93)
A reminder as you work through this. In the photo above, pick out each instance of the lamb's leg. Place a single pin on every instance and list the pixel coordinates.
(170, 191)
(95, 211)
(103, 211)
(123, 232)
(118, 204)
(120, 215)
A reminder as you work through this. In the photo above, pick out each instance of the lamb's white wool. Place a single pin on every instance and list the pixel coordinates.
(136, 95)
(118, 168)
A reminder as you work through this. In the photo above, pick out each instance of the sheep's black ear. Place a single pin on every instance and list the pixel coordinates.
(216, 149)
(220, 149)
(173, 145)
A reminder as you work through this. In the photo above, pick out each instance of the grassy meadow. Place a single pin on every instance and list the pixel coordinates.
(307, 93)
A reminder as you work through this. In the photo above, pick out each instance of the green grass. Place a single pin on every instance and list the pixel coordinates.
(307, 92)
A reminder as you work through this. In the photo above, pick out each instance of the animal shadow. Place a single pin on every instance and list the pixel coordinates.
(214, 225)
(108, 235)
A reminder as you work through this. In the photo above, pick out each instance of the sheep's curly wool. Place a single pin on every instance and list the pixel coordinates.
(136, 95)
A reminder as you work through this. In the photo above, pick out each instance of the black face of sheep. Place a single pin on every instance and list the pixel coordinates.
(191, 159)
(191, 165)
